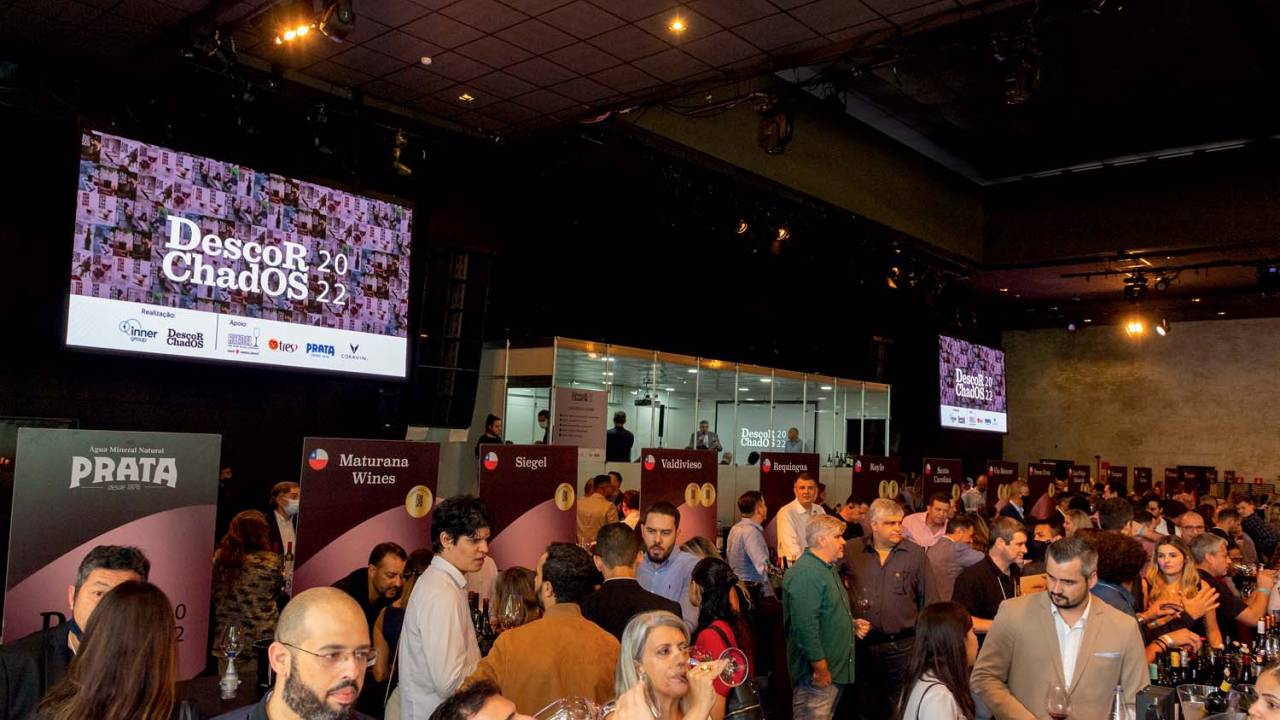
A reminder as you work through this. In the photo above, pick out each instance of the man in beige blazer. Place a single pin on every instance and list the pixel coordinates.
(1035, 636)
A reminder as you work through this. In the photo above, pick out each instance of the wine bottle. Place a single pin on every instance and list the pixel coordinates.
(286, 562)
(1118, 710)
(1218, 699)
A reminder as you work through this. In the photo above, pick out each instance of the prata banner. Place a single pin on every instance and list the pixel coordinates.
(1039, 482)
(1079, 478)
(874, 477)
(76, 489)
(530, 493)
(580, 420)
(942, 475)
(1141, 480)
(358, 493)
(1120, 474)
(686, 479)
(1000, 475)
(778, 473)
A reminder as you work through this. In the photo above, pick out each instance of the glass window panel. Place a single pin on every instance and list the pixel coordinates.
(823, 395)
(753, 430)
(717, 385)
(789, 409)
(676, 391)
(630, 378)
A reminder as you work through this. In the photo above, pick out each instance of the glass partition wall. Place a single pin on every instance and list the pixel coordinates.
(750, 408)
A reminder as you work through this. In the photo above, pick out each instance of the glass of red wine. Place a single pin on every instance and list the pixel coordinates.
(1058, 702)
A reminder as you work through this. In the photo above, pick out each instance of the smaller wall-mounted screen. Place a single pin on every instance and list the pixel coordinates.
(191, 257)
(971, 386)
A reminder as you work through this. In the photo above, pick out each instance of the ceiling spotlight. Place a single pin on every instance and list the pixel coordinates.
(825, 387)
(766, 380)
(743, 389)
(337, 18)
(1135, 287)
(292, 31)
(467, 97)
(1163, 328)
(1221, 313)
(895, 274)
(677, 25)
(1086, 321)
(1135, 328)
(692, 371)
(783, 233)
(1004, 290)
(1195, 299)
(743, 227)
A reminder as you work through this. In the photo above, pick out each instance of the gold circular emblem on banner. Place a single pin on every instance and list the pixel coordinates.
(955, 492)
(708, 495)
(564, 496)
(893, 489)
(692, 495)
(418, 502)
(1002, 492)
(884, 488)
(1053, 489)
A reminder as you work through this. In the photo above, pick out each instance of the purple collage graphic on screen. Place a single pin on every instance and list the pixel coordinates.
(971, 386)
(166, 228)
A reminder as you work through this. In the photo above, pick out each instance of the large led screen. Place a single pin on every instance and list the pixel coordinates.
(191, 257)
(971, 386)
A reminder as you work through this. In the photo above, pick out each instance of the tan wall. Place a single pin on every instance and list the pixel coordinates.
(1208, 394)
(843, 163)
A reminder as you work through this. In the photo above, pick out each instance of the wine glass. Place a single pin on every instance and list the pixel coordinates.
(736, 667)
(1058, 702)
(230, 643)
(580, 708)
(512, 614)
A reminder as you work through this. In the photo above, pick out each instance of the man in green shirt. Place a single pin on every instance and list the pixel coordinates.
(820, 629)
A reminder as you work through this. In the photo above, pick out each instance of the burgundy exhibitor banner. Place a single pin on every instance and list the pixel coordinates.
(1039, 481)
(1000, 474)
(686, 479)
(874, 477)
(76, 489)
(1141, 479)
(358, 493)
(1119, 474)
(778, 473)
(1080, 477)
(530, 493)
(941, 475)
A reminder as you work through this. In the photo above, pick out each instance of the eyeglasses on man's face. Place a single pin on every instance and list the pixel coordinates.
(364, 657)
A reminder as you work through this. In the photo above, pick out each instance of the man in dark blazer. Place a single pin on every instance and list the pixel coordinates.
(31, 665)
(617, 555)
(282, 519)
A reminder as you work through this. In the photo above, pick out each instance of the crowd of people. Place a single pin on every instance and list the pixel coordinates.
(956, 610)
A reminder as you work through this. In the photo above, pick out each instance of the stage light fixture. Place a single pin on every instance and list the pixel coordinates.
(895, 274)
(1135, 328)
(337, 19)
(677, 25)
(398, 144)
(290, 33)
(743, 227)
(1162, 329)
(784, 233)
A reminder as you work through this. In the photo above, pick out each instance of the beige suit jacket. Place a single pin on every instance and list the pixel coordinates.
(1020, 660)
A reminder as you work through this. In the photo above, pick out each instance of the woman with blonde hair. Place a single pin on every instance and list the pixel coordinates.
(653, 670)
(1173, 586)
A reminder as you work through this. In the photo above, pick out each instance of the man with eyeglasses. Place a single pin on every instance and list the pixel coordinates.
(1190, 526)
(319, 657)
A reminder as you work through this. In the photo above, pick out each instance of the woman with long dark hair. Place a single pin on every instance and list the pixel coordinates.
(713, 591)
(937, 679)
(127, 663)
(248, 583)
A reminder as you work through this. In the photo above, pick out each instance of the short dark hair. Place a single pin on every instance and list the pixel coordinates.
(384, 549)
(1054, 521)
(489, 420)
(661, 508)
(942, 497)
(461, 516)
(631, 498)
(600, 481)
(753, 457)
(1120, 557)
(281, 488)
(1228, 513)
(113, 557)
(619, 418)
(958, 523)
(618, 545)
(1143, 516)
(749, 501)
(1068, 549)
(570, 571)
(544, 414)
(805, 476)
(464, 704)
(855, 500)
(616, 474)
(1114, 513)
(1005, 528)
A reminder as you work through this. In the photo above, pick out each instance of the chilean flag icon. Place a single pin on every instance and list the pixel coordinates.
(490, 460)
(318, 459)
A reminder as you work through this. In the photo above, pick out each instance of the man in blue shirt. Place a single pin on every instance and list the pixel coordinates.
(666, 570)
(793, 442)
(747, 551)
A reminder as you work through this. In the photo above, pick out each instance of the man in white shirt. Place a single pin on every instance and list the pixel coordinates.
(795, 515)
(438, 648)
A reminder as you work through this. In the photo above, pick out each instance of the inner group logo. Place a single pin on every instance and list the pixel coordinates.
(318, 459)
(136, 332)
(490, 460)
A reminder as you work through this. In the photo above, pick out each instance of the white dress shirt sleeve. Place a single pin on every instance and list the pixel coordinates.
(790, 536)
(444, 645)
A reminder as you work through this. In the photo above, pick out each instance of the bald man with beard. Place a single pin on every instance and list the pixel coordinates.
(319, 656)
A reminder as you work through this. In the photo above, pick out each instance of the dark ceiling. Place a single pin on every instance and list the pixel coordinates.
(1058, 84)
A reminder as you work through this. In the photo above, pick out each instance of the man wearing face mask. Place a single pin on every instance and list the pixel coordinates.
(31, 665)
(544, 422)
(284, 516)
